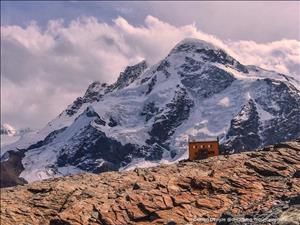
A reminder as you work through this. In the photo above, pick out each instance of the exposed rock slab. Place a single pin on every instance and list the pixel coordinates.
(256, 184)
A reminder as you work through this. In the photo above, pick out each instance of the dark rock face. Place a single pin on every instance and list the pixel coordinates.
(274, 95)
(249, 131)
(91, 150)
(11, 168)
(166, 120)
(154, 151)
(129, 75)
(182, 193)
(171, 117)
(149, 110)
(74, 107)
(95, 92)
(151, 84)
(243, 131)
(203, 80)
(95, 152)
(163, 67)
(50, 137)
(112, 122)
(284, 103)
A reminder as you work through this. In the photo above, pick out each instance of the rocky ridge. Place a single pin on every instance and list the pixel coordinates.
(263, 185)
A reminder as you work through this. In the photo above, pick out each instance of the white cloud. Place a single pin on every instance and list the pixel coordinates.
(282, 56)
(44, 70)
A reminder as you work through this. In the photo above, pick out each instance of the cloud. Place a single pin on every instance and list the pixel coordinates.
(282, 56)
(44, 70)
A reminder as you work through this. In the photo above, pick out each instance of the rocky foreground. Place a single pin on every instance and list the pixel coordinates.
(261, 186)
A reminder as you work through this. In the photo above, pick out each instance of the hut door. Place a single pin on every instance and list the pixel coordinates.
(203, 154)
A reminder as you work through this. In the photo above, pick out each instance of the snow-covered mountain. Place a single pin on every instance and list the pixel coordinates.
(148, 114)
(7, 129)
(9, 134)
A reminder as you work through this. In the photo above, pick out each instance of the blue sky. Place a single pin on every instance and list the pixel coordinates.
(257, 21)
(22, 12)
(51, 51)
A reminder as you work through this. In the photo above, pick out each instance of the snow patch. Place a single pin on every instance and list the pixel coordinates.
(68, 170)
(263, 115)
(142, 163)
(224, 102)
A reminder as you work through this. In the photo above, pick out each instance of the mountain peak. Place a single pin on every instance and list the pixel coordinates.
(206, 52)
(130, 74)
(94, 91)
(195, 43)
